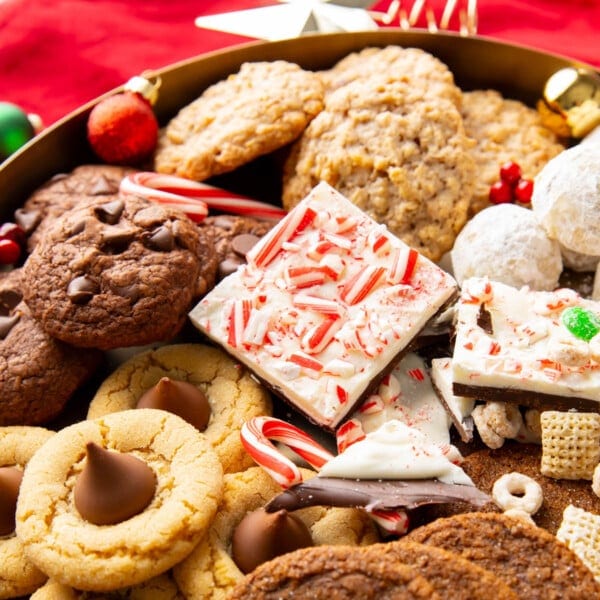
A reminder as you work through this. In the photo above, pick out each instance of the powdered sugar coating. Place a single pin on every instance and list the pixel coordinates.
(566, 198)
(507, 243)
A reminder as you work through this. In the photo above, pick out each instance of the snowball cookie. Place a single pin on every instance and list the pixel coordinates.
(566, 199)
(506, 243)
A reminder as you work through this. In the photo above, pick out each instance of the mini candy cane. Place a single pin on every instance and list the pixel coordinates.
(194, 198)
(256, 434)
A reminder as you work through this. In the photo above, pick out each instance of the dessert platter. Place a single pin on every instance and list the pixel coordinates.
(320, 321)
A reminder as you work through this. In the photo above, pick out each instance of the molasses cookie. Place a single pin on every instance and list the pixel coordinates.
(261, 108)
(233, 396)
(450, 575)
(401, 157)
(215, 565)
(333, 573)
(113, 502)
(38, 374)
(18, 576)
(63, 192)
(504, 130)
(116, 273)
(528, 559)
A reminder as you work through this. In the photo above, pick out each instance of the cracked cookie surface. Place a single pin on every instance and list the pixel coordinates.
(233, 396)
(92, 557)
(113, 274)
(210, 572)
(18, 575)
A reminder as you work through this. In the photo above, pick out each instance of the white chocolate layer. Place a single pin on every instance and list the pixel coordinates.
(327, 300)
(395, 451)
(530, 348)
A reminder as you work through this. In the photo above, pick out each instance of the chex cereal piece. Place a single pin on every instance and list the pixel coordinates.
(534, 348)
(328, 302)
(580, 531)
(570, 444)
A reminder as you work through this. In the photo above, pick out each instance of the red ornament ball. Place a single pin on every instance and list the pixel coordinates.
(10, 252)
(122, 129)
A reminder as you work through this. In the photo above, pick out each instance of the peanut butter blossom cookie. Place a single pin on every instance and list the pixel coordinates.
(38, 374)
(243, 535)
(113, 502)
(117, 273)
(18, 575)
(261, 108)
(199, 383)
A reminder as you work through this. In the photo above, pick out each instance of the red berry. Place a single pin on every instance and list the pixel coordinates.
(510, 172)
(9, 252)
(12, 231)
(524, 190)
(501, 193)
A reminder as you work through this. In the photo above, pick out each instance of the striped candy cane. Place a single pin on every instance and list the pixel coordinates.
(194, 198)
(257, 434)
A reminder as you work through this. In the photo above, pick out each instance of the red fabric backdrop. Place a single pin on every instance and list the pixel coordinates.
(58, 54)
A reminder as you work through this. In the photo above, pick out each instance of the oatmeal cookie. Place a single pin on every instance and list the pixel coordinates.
(527, 558)
(63, 192)
(333, 573)
(422, 72)
(79, 553)
(261, 108)
(38, 374)
(210, 570)
(504, 130)
(113, 274)
(405, 162)
(232, 394)
(18, 576)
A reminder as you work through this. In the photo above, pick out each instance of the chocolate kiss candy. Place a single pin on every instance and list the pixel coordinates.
(180, 398)
(10, 481)
(261, 536)
(112, 486)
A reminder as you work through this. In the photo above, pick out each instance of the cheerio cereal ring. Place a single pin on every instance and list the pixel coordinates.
(518, 491)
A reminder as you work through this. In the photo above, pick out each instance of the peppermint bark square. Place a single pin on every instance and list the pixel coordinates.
(539, 349)
(327, 303)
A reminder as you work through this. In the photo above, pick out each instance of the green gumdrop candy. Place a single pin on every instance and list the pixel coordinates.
(582, 323)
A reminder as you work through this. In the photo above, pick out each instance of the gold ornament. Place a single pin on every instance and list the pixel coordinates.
(141, 85)
(571, 105)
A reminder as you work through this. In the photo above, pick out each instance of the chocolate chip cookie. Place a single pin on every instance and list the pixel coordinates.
(38, 374)
(63, 192)
(116, 273)
(261, 108)
(234, 236)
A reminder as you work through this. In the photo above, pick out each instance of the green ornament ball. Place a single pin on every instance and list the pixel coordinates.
(15, 129)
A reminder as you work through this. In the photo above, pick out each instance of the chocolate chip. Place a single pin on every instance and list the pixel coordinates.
(160, 239)
(102, 187)
(116, 241)
(229, 265)
(130, 292)
(6, 324)
(10, 298)
(77, 228)
(243, 243)
(110, 212)
(28, 220)
(81, 289)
